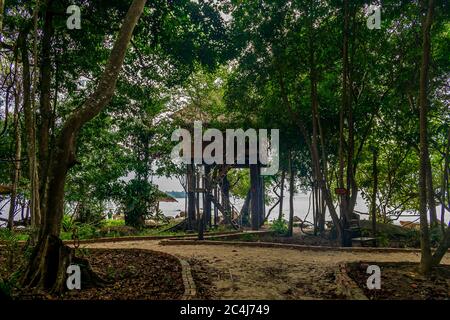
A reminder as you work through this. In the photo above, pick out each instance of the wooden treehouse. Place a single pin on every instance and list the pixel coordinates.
(207, 186)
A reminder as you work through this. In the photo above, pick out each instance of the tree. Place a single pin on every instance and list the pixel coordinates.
(50, 258)
(426, 258)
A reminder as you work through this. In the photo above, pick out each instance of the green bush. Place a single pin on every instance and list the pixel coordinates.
(7, 285)
(11, 244)
(67, 223)
(413, 238)
(11, 251)
(382, 239)
(435, 235)
(87, 231)
(279, 226)
(112, 223)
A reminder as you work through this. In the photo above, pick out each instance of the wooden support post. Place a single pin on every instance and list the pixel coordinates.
(291, 197)
(216, 210)
(201, 216)
(207, 197)
(245, 210)
(254, 185)
(262, 206)
(226, 193)
(197, 194)
(191, 196)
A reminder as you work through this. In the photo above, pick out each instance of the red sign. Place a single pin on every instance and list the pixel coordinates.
(340, 191)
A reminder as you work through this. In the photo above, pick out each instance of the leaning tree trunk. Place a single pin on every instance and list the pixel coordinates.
(426, 258)
(445, 242)
(50, 258)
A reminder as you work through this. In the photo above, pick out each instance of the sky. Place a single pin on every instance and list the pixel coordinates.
(167, 184)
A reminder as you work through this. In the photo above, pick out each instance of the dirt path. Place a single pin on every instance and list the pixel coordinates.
(267, 273)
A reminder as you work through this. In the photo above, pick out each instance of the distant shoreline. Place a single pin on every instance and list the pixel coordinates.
(177, 194)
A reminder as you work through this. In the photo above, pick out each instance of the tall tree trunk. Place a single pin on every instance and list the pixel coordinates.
(35, 162)
(202, 216)
(345, 108)
(291, 197)
(254, 197)
(317, 208)
(245, 210)
(445, 201)
(45, 108)
(50, 258)
(30, 131)
(314, 111)
(322, 212)
(197, 197)
(442, 249)
(226, 194)
(17, 159)
(352, 195)
(207, 197)
(373, 205)
(426, 258)
(191, 196)
(216, 210)
(430, 195)
(262, 201)
(283, 176)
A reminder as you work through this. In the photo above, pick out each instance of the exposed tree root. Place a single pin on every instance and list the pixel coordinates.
(47, 269)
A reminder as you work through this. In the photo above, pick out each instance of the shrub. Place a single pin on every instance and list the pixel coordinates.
(11, 252)
(112, 223)
(279, 226)
(413, 238)
(382, 239)
(435, 235)
(67, 223)
(87, 231)
(11, 243)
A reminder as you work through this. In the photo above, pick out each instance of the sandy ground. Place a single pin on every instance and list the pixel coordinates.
(267, 273)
